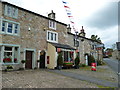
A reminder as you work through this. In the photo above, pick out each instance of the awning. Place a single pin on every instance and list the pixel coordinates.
(58, 45)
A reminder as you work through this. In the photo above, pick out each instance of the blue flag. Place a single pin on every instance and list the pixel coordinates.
(64, 2)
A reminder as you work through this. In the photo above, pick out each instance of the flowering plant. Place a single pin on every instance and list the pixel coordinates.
(6, 60)
(15, 59)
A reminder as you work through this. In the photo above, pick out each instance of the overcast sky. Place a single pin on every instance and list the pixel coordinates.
(99, 17)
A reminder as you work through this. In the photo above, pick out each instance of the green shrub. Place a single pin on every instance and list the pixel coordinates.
(91, 59)
(9, 67)
(59, 59)
(23, 61)
(83, 65)
(99, 62)
(77, 61)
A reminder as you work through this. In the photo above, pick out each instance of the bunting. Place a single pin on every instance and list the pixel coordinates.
(69, 14)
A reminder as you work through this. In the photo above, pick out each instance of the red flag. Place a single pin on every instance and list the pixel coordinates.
(66, 6)
(70, 16)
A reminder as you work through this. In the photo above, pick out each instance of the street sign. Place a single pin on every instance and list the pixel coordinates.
(118, 46)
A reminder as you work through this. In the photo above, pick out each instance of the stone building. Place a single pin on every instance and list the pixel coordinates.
(26, 35)
(85, 46)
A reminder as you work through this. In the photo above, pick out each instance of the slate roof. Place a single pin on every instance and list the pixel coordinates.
(58, 45)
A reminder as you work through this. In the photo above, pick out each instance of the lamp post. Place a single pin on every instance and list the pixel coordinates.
(118, 48)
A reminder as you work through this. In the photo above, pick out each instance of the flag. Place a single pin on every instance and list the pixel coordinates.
(64, 2)
(70, 16)
(72, 22)
(68, 13)
(67, 10)
(66, 6)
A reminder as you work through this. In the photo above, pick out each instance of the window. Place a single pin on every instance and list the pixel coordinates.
(16, 28)
(3, 26)
(10, 54)
(52, 24)
(9, 27)
(52, 36)
(11, 11)
(68, 56)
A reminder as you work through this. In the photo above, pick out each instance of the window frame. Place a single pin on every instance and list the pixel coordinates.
(52, 24)
(6, 27)
(55, 39)
(13, 53)
(12, 13)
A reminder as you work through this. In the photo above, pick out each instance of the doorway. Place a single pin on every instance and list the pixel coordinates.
(29, 56)
(42, 59)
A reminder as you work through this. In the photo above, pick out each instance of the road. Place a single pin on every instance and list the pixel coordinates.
(113, 64)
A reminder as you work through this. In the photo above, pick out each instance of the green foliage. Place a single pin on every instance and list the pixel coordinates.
(9, 67)
(95, 38)
(83, 65)
(91, 59)
(59, 59)
(77, 61)
(23, 61)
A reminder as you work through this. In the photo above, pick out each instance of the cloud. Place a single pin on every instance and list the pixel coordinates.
(105, 17)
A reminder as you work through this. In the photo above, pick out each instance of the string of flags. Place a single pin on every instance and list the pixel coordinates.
(69, 14)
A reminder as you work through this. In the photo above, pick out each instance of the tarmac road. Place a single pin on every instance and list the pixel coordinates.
(113, 64)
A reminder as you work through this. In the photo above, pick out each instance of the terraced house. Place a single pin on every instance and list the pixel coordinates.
(26, 35)
(85, 46)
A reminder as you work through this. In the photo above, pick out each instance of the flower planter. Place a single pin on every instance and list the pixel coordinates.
(68, 64)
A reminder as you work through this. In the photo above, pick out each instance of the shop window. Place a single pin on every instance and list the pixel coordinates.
(68, 56)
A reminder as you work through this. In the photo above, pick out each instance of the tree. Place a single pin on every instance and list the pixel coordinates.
(77, 61)
(59, 60)
(95, 38)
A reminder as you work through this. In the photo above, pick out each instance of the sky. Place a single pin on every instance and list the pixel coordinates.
(98, 17)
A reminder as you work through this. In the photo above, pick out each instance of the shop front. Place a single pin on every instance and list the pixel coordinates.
(67, 52)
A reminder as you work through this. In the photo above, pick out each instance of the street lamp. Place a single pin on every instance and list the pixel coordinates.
(76, 43)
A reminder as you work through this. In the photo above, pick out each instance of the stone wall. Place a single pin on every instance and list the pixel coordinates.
(0, 8)
(115, 54)
(32, 32)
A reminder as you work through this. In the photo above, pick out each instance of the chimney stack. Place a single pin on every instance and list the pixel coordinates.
(82, 33)
(69, 28)
(51, 15)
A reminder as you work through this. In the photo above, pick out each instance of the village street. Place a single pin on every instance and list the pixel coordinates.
(66, 78)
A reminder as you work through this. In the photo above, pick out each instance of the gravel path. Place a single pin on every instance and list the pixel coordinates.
(41, 79)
